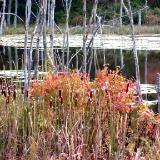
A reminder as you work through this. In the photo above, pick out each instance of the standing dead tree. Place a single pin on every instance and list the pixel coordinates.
(67, 6)
(146, 5)
(86, 30)
(9, 11)
(40, 28)
(84, 37)
(49, 13)
(95, 26)
(121, 12)
(52, 22)
(27, 21)
(130, 15)
(158, 90)
(2, 17)
(39, 32)
(15, 10)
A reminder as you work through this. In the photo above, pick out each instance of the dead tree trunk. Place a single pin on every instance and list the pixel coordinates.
(39, 33)
(66, 34)
(130, 15)
(84, 37)
(15, 17)
(2, 17)
(52, 33)
(95, 26)
(139, 18)
(10, 58)
(49, 13)
(121, 12)
(115, 10)
(158, 90)
(16, 59)
(146, 5)
(27, 16)
(122, 59)
(146, 68)
(9, 11)
(44, 27)
(31, 48)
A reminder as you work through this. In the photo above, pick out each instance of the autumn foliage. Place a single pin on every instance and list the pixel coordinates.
(114, 122)
(109, 87)
(68, 116)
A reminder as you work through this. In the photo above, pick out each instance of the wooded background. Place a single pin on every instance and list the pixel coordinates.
(106, 8)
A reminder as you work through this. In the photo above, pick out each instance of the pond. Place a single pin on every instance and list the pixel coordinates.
(149, 61)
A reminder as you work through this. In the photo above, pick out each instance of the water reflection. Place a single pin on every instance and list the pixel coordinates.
(149, 61)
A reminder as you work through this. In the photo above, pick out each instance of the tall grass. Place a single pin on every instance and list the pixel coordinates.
(124, 30)
(69, 117)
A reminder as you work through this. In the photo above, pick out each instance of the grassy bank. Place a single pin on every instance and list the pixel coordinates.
(69, 117)
(125, 30)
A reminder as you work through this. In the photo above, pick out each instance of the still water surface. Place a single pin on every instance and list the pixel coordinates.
(149, 61)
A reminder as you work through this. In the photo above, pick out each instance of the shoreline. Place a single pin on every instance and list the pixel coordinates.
(104, 41)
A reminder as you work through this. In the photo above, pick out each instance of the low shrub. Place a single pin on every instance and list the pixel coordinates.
(67, 116)
(152, 19)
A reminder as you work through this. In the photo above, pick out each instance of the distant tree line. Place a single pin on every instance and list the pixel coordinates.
(106, 8)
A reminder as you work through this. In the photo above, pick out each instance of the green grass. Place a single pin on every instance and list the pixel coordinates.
(125, 30)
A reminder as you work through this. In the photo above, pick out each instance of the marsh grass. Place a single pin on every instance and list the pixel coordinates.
(124, 30)
(69, 117)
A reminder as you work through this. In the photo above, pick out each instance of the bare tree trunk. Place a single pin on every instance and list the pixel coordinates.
(104, 57)
(146, 67)
(121, 54)
(41, 30)
(115, 9)
(49, 13)
(15, 17)
(121, 12)
(52, 33)
(42, 60)
(146, 5)
(3, 17)
(10, 58)
(77, 64)
(66, 35)
(39, 33)
(44, 27)
(94, 15)
(95, 26)
(95, 60)
(37, 58)
(27, 15)
(16, 59)
(139, 18)
(146, 70)
(9, 11)
(84, 37)
(130, 14)
(158, 90)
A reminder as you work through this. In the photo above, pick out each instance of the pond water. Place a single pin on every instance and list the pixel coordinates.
(149, 61)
